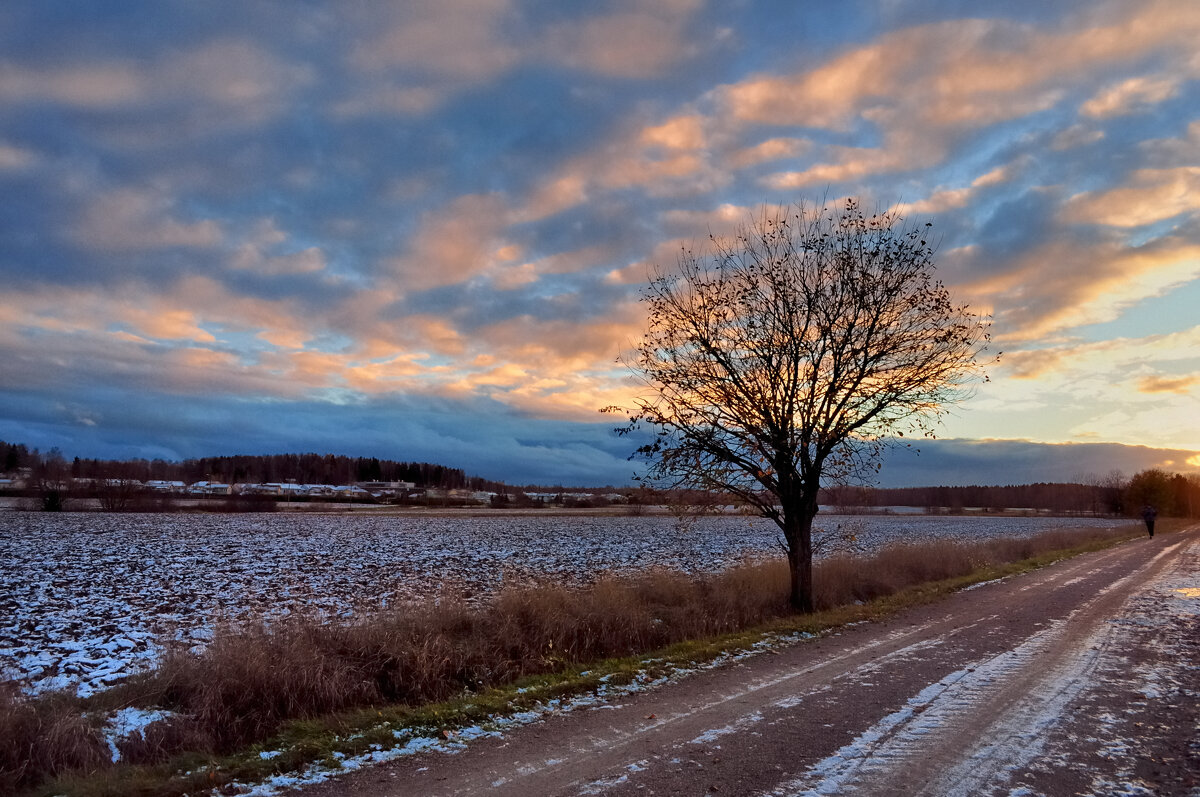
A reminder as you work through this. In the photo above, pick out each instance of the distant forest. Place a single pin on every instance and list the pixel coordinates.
(1113, 494)
(1098, 498)
(241, 469)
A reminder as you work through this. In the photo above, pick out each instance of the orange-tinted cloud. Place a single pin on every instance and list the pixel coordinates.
(454, 243)
(1154, 195)
(921, 85)
(1168, 384)
(1131, 95)
(770, 150)
(1063, 284)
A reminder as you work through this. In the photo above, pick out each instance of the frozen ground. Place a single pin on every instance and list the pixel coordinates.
(87, 599)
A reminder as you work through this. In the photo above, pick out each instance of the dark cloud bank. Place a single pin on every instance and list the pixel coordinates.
(485, 439)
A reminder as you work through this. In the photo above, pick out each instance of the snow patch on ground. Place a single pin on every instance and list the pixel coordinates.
(129, 722)
(710, 736)
(983, 584)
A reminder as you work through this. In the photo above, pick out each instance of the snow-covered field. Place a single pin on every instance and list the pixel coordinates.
(87, 598)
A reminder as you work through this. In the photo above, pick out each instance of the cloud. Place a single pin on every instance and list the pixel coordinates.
(459, 41)
(1063, 284)
(1169, 152)
(480, 436)
(258, 253)
(1075, 136)
(669, 159)
(507, 273)
(399, 100)
(235, 81)
(1111, 360)
(236, 78)
(1168, 384)
(1132, 95)
(14, 158)
(771, 150)
(1121, 389)
(956, 73)
(852, 163)
(454, 243)
(639, 42)
(1153, 195)
(923, 88)
(417, 56)
(682, 132)
(92, 86)
(945, 199)
(927, 85)
(130, 219)
(164, 323)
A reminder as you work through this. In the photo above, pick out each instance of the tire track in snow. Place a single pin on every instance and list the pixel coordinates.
(1020, 694)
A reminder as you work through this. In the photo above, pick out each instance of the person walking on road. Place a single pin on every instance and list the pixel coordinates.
(1149, 513)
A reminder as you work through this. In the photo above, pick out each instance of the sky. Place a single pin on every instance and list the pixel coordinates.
(418, 230)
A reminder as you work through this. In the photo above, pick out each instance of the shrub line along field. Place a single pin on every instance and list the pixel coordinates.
(90, 598)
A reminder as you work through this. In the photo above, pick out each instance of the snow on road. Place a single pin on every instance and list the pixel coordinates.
(1066, 711)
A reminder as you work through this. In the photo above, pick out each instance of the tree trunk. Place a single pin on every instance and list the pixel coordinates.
(797, 520)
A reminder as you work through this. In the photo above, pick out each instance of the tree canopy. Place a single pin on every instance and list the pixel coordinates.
(792, 353)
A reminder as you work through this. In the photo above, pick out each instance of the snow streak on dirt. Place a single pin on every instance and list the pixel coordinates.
(1107, 711)
(87, 599)
(1123, 733)
(900, 736)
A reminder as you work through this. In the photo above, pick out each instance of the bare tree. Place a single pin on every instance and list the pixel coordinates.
(793, 353)
(121, 490)
(51, 482)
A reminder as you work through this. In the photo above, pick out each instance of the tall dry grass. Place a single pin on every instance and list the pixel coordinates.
(43, 738)
(248, 683)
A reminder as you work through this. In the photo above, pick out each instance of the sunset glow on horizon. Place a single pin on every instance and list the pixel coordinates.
(419, 230)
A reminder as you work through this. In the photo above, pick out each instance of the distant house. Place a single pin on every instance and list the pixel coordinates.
(122, 483)
(385, 488)
(258, 489)
(351, 491)
(210, 488)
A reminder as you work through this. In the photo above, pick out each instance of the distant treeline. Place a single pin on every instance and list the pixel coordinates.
(1054, 496)
(1173, 494)
(247, 468)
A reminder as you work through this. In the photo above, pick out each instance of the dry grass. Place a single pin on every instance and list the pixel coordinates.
(249, 683)
(44, 738)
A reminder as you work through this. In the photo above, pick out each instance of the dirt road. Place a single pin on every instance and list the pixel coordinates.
(1082, 678)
